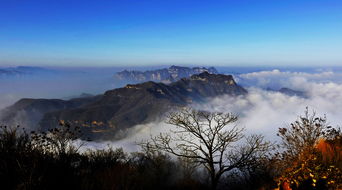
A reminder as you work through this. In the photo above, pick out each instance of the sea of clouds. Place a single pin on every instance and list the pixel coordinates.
(260, 111)
(265, 111)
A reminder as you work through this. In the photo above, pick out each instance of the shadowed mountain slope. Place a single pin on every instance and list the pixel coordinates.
(107, 115)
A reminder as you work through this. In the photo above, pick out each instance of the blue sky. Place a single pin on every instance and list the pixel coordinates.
(156, 32)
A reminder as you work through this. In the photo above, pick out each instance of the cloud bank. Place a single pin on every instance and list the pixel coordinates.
(263, 111)
(260, 111)
(295, 80)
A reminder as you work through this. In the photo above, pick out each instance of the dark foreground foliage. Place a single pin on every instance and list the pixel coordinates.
(310, 158)
(36, 162)
(51, 161)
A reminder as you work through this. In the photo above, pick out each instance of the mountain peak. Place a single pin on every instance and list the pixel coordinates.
(214, 78)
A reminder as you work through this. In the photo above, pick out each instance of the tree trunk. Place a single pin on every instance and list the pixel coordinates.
(214, 182)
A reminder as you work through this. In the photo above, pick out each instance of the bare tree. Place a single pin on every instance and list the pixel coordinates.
(209, 139)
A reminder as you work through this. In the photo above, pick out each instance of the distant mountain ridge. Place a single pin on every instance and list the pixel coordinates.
(165, 75)
(289, 92)
(105, 116)
(24, 70)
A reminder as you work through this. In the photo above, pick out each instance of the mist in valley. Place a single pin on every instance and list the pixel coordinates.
(261, 111)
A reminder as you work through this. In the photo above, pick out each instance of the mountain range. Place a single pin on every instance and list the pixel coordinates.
(289, 92)
(24, 70)
(108, 115)
(166, 75)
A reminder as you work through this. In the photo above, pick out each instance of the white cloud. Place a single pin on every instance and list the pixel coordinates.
(278, 79)
(265, 111)
(135, 135)
(262, 111)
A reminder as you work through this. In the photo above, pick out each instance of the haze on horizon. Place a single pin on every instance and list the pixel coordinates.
(130, 33)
